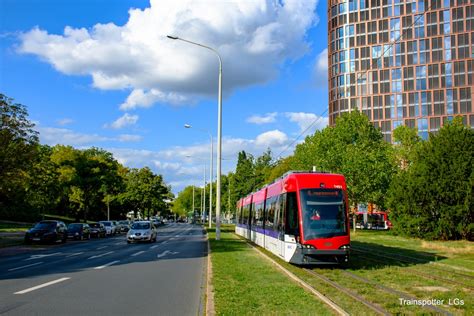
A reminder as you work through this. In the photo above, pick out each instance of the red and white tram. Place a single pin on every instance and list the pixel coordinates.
(301, 217)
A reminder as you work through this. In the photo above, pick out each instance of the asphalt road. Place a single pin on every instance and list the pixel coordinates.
(108, 276)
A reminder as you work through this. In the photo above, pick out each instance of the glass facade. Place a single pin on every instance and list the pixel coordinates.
(402, 62)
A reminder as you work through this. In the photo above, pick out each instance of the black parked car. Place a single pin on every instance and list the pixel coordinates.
(97, 230)
(47, 231)
(78, 231)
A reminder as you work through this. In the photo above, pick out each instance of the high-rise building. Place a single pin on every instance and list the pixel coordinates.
(401, 62)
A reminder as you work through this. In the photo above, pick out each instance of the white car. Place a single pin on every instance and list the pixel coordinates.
(110, 228)
(142, 231)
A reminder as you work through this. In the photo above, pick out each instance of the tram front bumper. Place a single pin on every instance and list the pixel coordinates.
(303, 256)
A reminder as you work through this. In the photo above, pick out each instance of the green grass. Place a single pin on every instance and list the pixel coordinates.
(239, 271)
(247, 284)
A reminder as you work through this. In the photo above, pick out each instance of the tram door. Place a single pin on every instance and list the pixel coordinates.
(280, 224)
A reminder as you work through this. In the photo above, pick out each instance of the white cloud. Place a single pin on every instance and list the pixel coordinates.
(271, 138)
(265, 119)
(129, 138)
(321, 69)
(308, 121)
(53, 136)
(63, 136)
(181, 166)
(254, 39)
(64, 121)
(123, 121)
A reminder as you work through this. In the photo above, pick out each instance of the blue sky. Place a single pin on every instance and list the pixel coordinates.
(102, 73)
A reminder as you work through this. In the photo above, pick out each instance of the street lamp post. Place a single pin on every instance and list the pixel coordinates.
(219, 136)
(210, 170)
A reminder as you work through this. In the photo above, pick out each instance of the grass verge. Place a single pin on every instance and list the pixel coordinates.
(247, 284)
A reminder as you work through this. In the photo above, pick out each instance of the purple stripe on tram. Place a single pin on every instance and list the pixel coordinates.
(267, 232)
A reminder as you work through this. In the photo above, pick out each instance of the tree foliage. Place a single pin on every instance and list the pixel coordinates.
(354, 148)
(433, 197)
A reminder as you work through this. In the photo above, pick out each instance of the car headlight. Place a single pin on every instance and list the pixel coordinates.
(146, 233)
(77, 234)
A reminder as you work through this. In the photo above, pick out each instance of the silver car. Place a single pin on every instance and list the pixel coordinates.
(142, 231)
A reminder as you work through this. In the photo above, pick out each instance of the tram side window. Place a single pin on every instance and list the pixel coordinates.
(270, 212)
(258, 215)
(292, 214)
(280, 213)
(245, 214)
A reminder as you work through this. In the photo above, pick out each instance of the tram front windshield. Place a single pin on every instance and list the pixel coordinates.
(323, 212)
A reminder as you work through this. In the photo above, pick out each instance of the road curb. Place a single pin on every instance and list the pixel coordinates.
(210, 309)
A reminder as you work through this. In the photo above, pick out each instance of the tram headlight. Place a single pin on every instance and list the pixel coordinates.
(345, 247)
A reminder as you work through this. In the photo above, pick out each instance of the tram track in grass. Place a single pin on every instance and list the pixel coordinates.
(412, 260)
(343, 298)
(376, 308)
(412, 270)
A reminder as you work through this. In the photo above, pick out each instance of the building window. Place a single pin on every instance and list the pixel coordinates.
(425, 103)
(445, 17)
(410, 6)
(394, 29)
(432, 24)
(438, 102)
(408, 80)
(459, 73)
(470, 18)
(446, 75)
(463, 46)
(419, 26)
(458, 20)
(413, 106)
(465, 104)
(423, 128)
(421, 78)
(412, 53)
(433, 76)
(470, 72)
(372, 32)
(396, 80)
(436, 49)
(377, 56)
(384, 81)
(435, 124)
(450, 101)
(387, 8)
(447, 48)
(383, 31)
(407, 27)
(388, 55)
(424, 51)
(421, 6)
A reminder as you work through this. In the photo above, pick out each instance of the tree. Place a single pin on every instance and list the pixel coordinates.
(354, 148)
(145, 192)
(18, 143)
(261, 168)
(406, 141)
(244, 181)
(281, 167)
(433, 197)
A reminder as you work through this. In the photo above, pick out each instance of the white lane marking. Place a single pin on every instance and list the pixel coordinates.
(41, 286)
(153, 247)
(166, 252)
(102, 247)
(172, 238)
(29, 265)
(75, 254)
(33, 257)
(106, 265)
(164, 242)
(101, 255)
(118, 243)
(138, 253)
